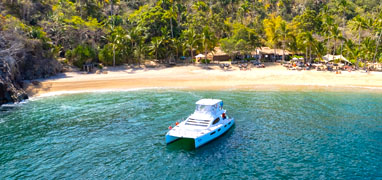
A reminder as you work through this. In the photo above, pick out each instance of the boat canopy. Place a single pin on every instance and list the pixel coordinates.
(209, 102)
(208, 108)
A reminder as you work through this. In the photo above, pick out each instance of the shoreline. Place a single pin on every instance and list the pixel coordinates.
(272, 78)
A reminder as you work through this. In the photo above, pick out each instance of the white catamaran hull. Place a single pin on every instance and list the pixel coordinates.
(202, 138)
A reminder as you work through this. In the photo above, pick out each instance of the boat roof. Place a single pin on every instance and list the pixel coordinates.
(208, 102)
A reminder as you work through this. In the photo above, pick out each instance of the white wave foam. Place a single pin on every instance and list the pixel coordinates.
(58, 93)
(13, 105)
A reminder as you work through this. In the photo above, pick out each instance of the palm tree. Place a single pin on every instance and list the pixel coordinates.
(309, 43)
(192, 39)
(208, 40)
(343, 6)
(134, 37)
(293, 44)
(352, 50)
(319, 49)
(367, 47)
(336, 35)
(116, 39)
(271, 27)
(284, 32)
(140, 49)
(170, 13)
(358, 24)
(177, 44)
(156, 43)
(378, 25)
(327, 26)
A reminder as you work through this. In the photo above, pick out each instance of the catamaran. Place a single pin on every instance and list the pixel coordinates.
(208, 122)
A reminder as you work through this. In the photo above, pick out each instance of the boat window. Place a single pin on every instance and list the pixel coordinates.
(219, 129)
(203, 108)
(216, 121)
(213, 133)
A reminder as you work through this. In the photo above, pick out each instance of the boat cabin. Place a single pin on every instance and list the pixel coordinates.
(207, 112)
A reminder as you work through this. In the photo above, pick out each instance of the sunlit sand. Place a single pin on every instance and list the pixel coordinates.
(200, 77)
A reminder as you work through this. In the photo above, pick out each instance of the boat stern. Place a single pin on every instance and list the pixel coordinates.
(170, 139)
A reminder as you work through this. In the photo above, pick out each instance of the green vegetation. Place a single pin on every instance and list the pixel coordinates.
(123, 31)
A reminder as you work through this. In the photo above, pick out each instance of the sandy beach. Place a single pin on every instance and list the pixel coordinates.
(198, 77)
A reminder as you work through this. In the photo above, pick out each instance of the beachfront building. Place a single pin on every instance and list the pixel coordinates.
(266, 54)
(218, 55)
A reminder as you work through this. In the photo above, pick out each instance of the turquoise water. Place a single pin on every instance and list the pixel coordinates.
(120, 135)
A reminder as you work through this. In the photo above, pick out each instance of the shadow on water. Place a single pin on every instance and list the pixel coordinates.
(182, 144)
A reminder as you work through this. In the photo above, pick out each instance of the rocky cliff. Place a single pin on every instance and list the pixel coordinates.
(22, 60)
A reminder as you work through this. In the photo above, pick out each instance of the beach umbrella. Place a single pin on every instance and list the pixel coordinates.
(329, 57)
(200, 56)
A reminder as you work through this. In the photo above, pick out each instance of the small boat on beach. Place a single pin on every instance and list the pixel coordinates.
(208, 122)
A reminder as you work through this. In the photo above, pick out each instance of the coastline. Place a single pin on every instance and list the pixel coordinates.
(272, 78)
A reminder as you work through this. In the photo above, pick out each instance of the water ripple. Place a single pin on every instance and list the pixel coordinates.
(120, 135)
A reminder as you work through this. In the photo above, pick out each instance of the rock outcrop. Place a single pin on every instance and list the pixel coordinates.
(22, 60)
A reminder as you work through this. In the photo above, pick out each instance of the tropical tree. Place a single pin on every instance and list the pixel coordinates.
(228, 45)
(156, 46)
(192, 40)
(343, 6)
(208, 40)
(352, 50)
(283, 31)
(378, 28)
(367, 47)
(271, 28)
(327, 26)
(178, 46)
(358, 24)
(336, 35)
(309, 43)
(140, 50)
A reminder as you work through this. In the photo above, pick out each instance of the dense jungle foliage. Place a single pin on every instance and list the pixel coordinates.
(128, 31)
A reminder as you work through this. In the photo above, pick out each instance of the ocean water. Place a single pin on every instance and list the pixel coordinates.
(120, 135)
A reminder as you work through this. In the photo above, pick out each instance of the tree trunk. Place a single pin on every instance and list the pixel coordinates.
(284, 50)
(156, 54)
(113, 55)
(376, 46)
(112, 8)
(343, 33)
(310, 54)
(205, 56)
(192, 55)
(172, 11)
(177, 53)
(328, 48)
(172, 32)
(359, 48)
(306, 55)
(334, 49)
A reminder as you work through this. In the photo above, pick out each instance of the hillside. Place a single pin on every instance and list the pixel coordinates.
(115, 32)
